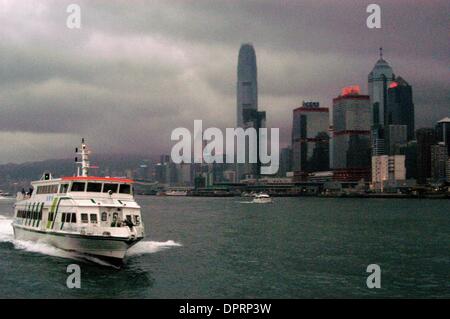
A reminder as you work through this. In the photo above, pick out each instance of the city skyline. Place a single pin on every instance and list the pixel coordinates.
(59, 84)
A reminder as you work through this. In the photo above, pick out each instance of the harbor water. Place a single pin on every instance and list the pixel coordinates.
(300, 247)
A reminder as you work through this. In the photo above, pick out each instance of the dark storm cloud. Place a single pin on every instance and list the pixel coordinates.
(134, 72)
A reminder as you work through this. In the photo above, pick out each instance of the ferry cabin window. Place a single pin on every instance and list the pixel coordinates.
(137, 220)
(110, 187)
(84, 218)
(125, 189)
(94, 187)
(94, 218)
(74, 217)
(63, 217)
(68, 217)
(78, 187)
(63, 188)
(47, 189)
(104, 216)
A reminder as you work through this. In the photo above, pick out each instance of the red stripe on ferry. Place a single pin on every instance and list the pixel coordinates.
(95, 178)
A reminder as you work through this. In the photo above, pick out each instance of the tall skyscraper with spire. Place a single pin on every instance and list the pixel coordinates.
(379, 80)
(247, 104)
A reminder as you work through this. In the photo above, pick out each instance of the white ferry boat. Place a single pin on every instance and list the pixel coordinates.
(95, 216)
(262, 199)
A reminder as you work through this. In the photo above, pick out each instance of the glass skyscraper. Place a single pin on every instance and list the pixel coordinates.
(379, 79)
(247, 105)
(247, 84)
(400, 106)
(351, 134)
(310, 139)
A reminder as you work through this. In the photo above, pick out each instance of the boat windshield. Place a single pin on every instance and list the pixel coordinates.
(125, 189)
(94, 187)
(110, 187)
(78, 187)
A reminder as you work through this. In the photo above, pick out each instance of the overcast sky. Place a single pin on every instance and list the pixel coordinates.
(138, 69)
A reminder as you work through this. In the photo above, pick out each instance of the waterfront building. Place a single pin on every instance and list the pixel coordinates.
(439, 158)
(229, 176)
(184, 174)
(321, 177)
(443, 132)
(166, 171)
(387, 171)
(144, 172)
(396, 135)
(285, 161)
(351, 122)
(310, 139)
(409, 149)
(377, 140)
(426, 137)
(161, 173)
(400, 106)
(447, 170)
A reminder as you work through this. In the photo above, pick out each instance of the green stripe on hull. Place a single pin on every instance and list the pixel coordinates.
(39, 214)
(59, 200)
(33, 212)
(52, 210)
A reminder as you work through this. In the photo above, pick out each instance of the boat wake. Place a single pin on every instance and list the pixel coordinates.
(150, 247)
(7, 235)
(141, 248)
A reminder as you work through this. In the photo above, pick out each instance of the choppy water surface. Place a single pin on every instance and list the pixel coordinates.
(223, 248)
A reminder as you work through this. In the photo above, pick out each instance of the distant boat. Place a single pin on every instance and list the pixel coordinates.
(176, 193)
(247, 194)
(262, 198)
(5, 196)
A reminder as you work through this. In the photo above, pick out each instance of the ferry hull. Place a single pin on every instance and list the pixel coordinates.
(110, 249)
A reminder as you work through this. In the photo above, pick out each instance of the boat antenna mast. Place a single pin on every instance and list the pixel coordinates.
(85, 164)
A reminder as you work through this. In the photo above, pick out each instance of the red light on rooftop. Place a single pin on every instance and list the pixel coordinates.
(351, 90)
(393, 85)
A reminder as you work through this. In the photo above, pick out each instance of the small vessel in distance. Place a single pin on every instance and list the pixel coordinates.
(175, 192)
(262, 198)
(248, 194)
(95, 216)
(4, 196)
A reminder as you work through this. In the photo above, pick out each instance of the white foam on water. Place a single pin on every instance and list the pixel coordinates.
(141, 248)
(6, 230)
(150, 247)
(7, 235)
